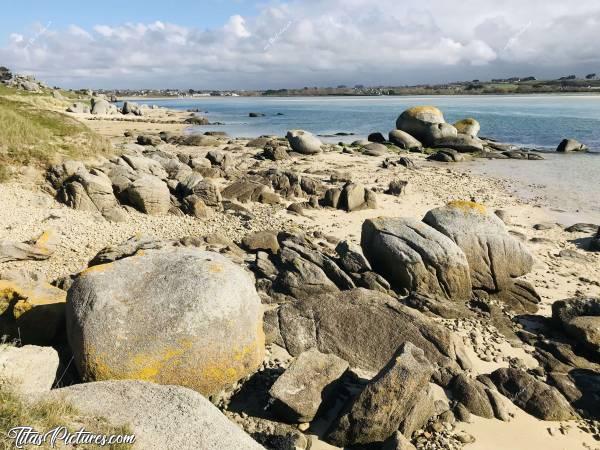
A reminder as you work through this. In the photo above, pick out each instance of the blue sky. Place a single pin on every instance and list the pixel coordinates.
(218, 44)
(199, 13)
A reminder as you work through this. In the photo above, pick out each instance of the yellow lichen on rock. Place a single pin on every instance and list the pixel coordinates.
(468, 206)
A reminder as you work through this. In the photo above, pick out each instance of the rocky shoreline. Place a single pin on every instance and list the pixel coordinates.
(319, 295)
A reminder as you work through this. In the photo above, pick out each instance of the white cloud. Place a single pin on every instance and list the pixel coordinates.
(319, 42)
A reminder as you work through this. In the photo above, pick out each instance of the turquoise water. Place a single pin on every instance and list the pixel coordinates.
(540, 121)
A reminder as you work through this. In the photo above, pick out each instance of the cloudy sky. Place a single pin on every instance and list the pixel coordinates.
(218, 44)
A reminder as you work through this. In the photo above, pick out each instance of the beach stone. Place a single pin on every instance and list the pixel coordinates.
(416, 258)
(261, 240)
(381, 407)
(351, 257)
(160, 417)
(131, 108)
(146, 166)
(365, 328)
(79, 108)
(472, 394)
(259, 142)
(150, 195)
(332, 197)
(91, 192)
(397, 187)
(374, 149)
(31, 311)
(304, 142)
(495, 257)
(355, 197)
(100, 106)
(398, 441)
(425, 123)
(244, 191)
(468, 126)
(446, 155)
(193, 319)
(580, 318)
(376, 137)
(40, 249)
(462, 143)
(404, 140)
(571, 145)
(430, 402)
(308, 382)
(30, 369)
(195, 206)
(535, 397)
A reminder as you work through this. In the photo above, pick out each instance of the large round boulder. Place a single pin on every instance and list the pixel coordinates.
(571, 145)
(414, 257)
(304, 142)
(178, 316)
(425, 123)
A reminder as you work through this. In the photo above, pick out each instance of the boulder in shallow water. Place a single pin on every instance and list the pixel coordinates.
(468, 126)
(178, 316)
(425, 123)
(304, 142)
(571, 145)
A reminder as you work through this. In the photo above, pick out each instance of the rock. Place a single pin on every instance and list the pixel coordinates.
(404, 140)
(244, 191)
(468, 126)
(364, 328)
(304, 142)
(259, 142)
(160, 417)
(100, 106)
(40, 249)
(351, 257)
(425, 123)
(397, 187)
(473, 395)
(381, 407)
(376, 137)
(148, 139)
(355, 197)
(533, 396)
(150, 195)
(261, 240)
(397, 441)
(255, 114)
(91, 192)
(583, 228)
(595, 243)
(195, 206)
(462, 143)
(197, 120)
(571, 145)
(207, 191)
(131, 108)
(580, 318)
(374, 149)
(200, 140)
(495, 257)
(430, 402)
(332, 197)
(276, 153)
(307, 383)
(416, 258)
(32, 312)
(30, 370)
(79, 108)
(446, 155)
(193, 319)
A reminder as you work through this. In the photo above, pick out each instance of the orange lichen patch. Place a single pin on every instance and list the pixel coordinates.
(468, 121)
(215, 268)
(46, 238)
(34, 294)
(468, 206)
(425, 113)
(100, 268)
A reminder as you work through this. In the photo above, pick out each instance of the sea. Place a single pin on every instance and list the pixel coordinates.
(567, 182)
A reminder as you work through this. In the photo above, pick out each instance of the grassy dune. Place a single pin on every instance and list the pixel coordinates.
(34, 132)
(46, 415)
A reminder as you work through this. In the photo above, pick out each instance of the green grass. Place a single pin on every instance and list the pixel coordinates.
(34, 132)
(43, 416)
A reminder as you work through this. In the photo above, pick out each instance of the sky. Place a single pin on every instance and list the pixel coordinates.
(244, 44)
